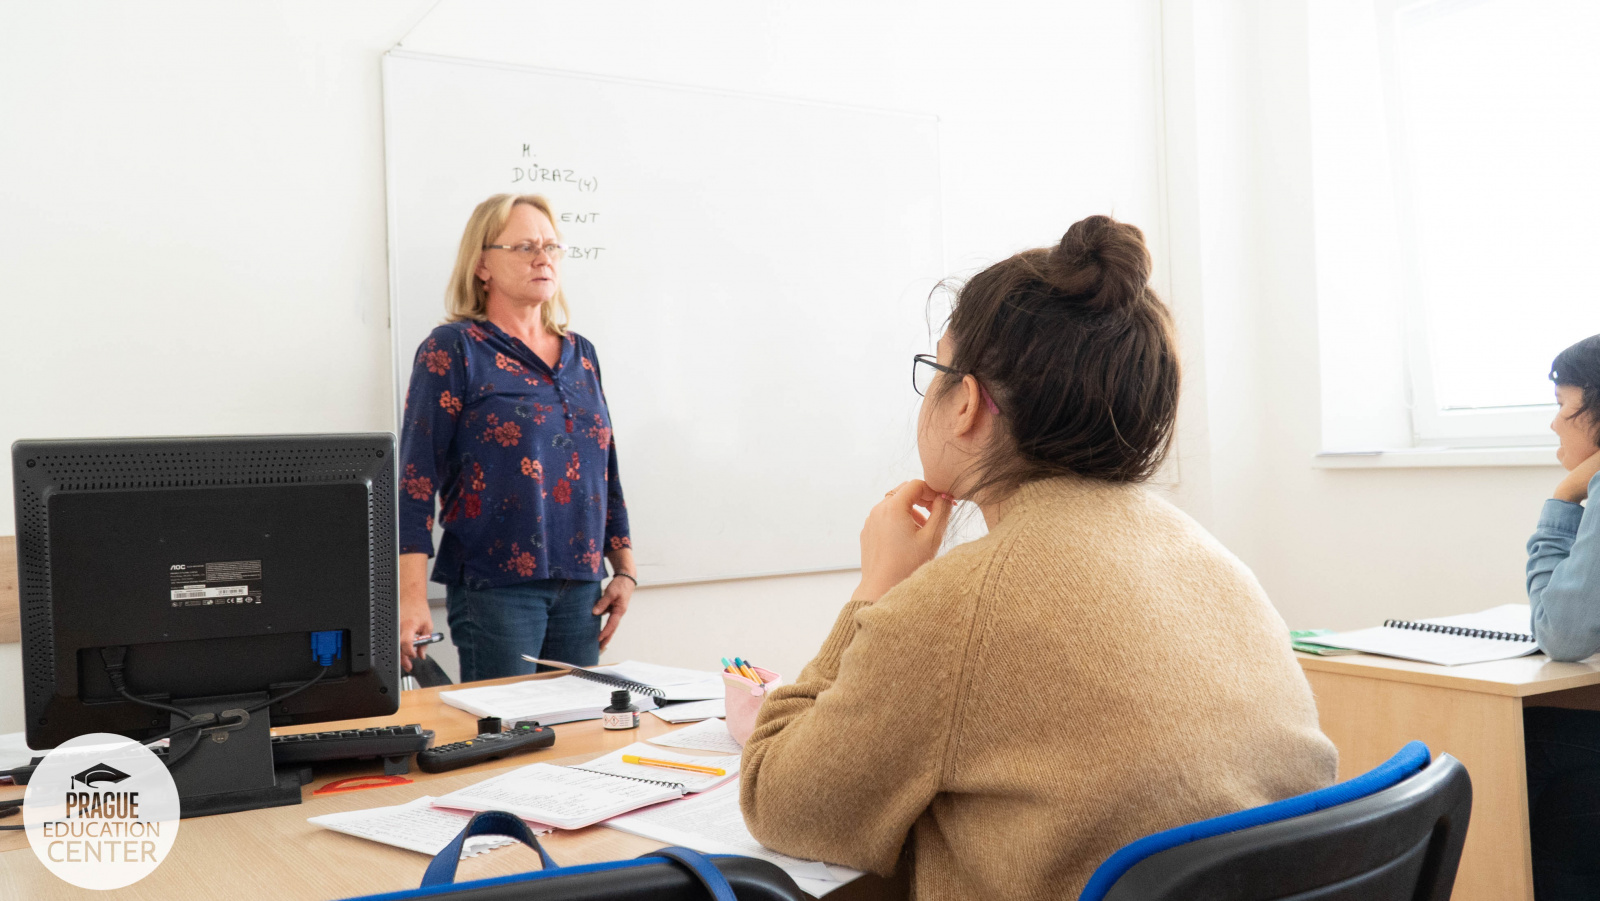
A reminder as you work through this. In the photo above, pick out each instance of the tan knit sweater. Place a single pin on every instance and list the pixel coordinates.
(1096, 669)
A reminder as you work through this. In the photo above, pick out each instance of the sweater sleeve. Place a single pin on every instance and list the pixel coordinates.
(433, 402)
(861, 737)
(1564, 579)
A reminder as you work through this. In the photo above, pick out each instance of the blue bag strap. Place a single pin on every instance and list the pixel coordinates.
(702, 869)
(442, 871)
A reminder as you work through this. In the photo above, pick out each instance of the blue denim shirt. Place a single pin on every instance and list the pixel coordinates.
(520, 455)
(1564, 578)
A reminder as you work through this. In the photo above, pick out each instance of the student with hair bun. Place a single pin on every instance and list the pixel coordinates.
(1563, 746)
(1095, 669)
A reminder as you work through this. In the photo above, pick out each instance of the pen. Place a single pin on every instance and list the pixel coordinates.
(421, 640)
(728, 667)
(674, 765)
(746, 670)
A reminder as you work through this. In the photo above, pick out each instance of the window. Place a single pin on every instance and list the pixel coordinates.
(1494, 130)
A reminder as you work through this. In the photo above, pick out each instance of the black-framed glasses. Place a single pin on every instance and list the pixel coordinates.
(530, 251)
(924, 369)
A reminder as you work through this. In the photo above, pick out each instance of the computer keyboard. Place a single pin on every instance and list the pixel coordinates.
(395, 744)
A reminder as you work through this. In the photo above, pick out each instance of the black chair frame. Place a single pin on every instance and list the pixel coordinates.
(1399, 844)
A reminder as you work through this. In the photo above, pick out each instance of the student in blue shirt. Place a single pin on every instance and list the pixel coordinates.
(1563, 746)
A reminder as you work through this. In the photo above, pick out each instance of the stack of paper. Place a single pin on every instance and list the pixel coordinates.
(712, 824)
(563, 699)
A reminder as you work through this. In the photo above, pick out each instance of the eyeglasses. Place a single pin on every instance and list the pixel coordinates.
(530, 251)
(925, 367)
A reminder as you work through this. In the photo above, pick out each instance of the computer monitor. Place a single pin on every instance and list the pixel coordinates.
(188, 585)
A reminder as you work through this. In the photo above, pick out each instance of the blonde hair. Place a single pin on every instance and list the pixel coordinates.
(466, 297)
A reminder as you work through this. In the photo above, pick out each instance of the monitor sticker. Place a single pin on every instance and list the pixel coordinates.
(226, 584)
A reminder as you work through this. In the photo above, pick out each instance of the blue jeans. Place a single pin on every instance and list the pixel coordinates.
(549, 618)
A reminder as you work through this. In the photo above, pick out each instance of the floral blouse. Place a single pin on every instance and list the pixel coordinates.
(520, 456)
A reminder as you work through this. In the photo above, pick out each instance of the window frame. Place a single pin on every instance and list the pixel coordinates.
(1432, 424)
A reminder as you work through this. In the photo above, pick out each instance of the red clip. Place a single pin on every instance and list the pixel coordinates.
(360, 783)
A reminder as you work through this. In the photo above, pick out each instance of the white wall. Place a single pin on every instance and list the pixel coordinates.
(1334, 548)
(193, 236)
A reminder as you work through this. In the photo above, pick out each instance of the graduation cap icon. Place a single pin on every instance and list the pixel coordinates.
(100, 772)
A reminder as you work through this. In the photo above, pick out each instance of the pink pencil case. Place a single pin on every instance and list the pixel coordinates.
(743, 700)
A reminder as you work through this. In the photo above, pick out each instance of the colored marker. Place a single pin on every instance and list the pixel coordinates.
(674, 765)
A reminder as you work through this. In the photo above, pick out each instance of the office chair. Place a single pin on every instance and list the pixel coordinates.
(428, 674)
(1392, 834)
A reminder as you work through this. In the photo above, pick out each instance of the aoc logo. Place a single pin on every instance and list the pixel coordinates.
(101, 811)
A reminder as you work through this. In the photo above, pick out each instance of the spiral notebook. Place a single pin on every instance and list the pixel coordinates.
(1499, 633)
(571, 797)
(664, 683)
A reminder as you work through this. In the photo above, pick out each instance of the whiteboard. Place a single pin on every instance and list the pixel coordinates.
(754, 274)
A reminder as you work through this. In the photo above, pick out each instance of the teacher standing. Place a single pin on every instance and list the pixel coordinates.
(506, 422)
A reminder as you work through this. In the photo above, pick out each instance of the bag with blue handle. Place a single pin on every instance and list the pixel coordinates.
(442, 871)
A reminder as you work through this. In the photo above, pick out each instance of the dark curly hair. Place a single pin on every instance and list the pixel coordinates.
(1079, 355)
(1579, 367)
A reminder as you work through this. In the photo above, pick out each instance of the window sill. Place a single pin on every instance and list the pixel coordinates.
(1433, 457)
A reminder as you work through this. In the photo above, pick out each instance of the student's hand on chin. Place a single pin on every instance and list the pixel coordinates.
(898, 537)
(1574, 489)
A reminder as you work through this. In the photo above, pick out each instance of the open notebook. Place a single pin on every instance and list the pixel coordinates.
(571, 797)
(1499, 633)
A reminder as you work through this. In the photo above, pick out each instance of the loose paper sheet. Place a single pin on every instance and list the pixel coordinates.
(692, 711)
(712, 823)
(706, 735)
(415, 826)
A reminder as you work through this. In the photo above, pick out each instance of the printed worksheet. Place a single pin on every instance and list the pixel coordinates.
(712, 823)
(706, 735)
(415, 826)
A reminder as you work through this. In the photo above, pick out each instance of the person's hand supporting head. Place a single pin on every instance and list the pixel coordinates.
(898, 537)
(1574, 489)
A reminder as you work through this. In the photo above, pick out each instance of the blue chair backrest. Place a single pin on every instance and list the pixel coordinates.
(1406, 763)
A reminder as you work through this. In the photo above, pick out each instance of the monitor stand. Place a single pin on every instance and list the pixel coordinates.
(230, 769)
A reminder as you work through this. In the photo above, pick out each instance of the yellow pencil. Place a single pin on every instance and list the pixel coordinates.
(750, 674)
(674, 765)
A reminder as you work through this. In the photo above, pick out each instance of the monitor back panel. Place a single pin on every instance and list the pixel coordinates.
(211, 560)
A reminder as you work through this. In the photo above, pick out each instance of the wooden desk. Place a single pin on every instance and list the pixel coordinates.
(1371, 705)
(276, 853)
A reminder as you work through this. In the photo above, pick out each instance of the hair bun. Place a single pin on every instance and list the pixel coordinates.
(1102, 263)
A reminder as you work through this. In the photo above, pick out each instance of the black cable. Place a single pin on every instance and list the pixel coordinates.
(173, 758)
(7, 808)
(115, 660)
(291, 692)
(114, 666)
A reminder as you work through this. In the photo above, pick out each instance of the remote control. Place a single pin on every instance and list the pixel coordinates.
(521, 738)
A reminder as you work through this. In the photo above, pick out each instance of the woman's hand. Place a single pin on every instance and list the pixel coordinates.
(619, 591)
(1574, 489)
(416, 620)
(898, 537)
